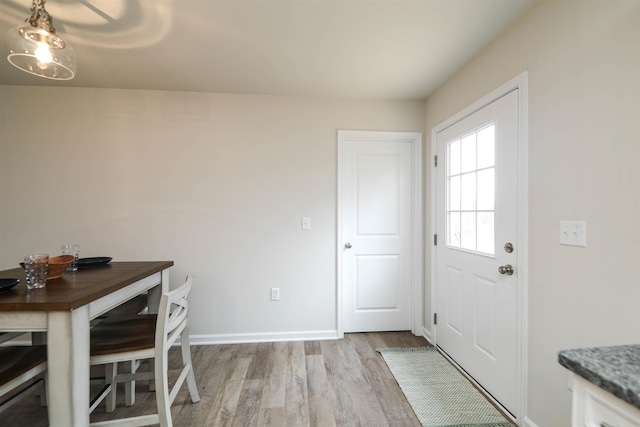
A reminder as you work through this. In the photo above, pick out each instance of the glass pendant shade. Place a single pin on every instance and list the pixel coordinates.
(38, 50)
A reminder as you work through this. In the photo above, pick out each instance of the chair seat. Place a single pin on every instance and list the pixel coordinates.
(18, 360)
(118, 334)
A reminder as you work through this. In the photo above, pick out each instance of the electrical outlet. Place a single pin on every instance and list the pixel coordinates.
(275, 294)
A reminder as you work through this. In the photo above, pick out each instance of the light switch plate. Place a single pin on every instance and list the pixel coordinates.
(573, 233)
(306, 223)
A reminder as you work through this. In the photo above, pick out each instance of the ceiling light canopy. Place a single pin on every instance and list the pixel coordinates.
(38, 50)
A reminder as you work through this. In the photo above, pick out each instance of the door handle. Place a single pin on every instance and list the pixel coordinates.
(347, 245)
(506, 269)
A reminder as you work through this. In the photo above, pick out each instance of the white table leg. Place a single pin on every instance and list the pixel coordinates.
(68, 367)
(154, 294)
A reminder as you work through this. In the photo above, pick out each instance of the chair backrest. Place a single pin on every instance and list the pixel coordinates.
(173, 315)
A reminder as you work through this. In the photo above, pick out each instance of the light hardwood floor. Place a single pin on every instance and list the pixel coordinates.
(312, 383)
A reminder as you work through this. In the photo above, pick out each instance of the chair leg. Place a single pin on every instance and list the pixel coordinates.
(43, 389)
(130, 387)
(110, 371)
(161, 369)
(186, 359)
(43, 394)
(152, 368)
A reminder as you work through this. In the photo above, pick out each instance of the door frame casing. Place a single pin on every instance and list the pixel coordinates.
(520, 83)
(415, 138)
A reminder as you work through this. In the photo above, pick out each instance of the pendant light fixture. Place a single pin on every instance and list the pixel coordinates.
(38, 50)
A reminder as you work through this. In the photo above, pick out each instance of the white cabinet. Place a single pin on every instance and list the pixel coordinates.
(594, 407)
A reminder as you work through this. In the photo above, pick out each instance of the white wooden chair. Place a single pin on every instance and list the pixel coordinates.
(138, 337)
(136, 305)
(19, 364)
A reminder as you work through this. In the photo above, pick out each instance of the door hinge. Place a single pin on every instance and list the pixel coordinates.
(435, 318)
(435, 240)
(435, 161)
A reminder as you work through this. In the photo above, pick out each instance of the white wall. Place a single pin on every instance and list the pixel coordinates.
(217, 183)
(583, 60)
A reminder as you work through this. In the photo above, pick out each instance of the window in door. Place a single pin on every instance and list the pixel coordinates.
(471, 191)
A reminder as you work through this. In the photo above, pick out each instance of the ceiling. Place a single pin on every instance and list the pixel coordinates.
(374, 49)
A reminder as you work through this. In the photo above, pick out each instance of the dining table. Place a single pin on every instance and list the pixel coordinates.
(62, 312)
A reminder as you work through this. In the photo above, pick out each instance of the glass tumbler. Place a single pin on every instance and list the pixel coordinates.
(72, 250)
(35, 268)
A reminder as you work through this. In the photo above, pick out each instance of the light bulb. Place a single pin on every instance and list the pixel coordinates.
(43, 54)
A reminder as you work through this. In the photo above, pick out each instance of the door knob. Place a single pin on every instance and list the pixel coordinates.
(347, 245)
(506, 269)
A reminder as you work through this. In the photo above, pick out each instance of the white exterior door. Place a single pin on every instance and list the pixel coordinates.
(376, 223)
(477, 195)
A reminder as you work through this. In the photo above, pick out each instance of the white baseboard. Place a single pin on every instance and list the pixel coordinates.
(528, 423)
(262, 337)
(427, 335)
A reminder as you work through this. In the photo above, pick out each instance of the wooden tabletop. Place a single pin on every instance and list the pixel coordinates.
(75, 289)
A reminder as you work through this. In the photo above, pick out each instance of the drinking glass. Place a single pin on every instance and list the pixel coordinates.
(72, 250)
(35, 268)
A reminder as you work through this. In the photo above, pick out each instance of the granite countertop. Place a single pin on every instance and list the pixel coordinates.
(614, 369)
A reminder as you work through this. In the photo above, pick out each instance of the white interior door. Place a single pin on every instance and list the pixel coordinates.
(375, 243)
(477, 196)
